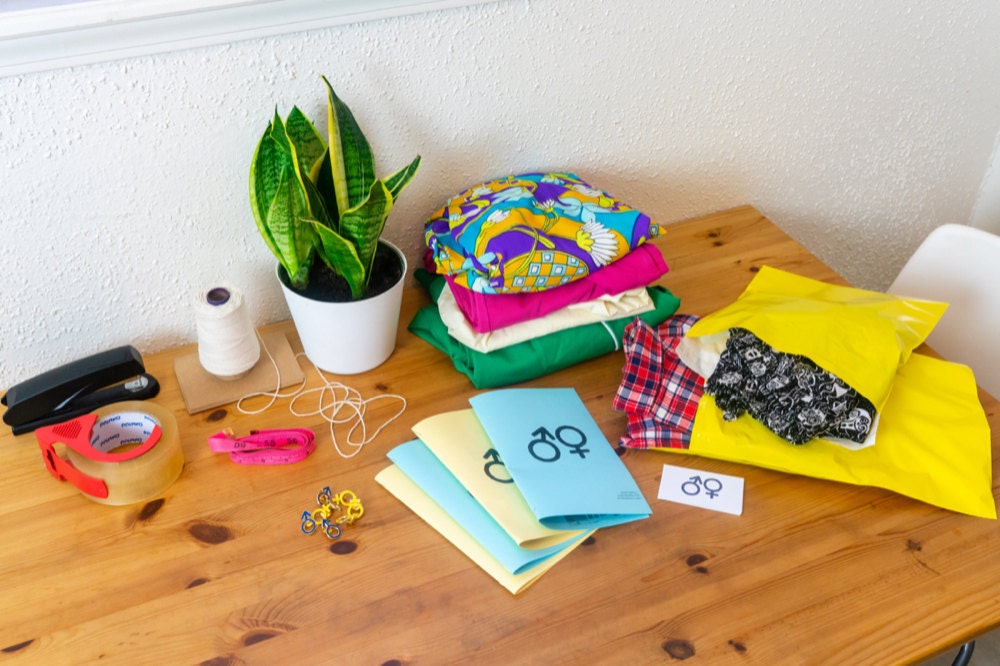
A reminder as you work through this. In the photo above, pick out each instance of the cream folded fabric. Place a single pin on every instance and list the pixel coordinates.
(603, 308)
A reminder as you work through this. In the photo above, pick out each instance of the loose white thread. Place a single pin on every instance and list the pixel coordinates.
(351, 401)
(227, 344)
(611, 333)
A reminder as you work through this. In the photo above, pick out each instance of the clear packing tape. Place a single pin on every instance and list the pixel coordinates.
(933, 440)
(123, 453)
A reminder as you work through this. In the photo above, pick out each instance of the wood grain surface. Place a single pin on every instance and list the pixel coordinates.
(216, 570)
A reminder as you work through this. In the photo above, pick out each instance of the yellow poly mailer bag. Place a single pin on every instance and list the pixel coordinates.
(860, 336)
(933, 442)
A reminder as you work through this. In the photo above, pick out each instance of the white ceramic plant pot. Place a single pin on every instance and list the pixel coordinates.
(350, 337)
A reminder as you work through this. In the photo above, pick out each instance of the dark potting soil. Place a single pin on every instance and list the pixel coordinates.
(325, 285)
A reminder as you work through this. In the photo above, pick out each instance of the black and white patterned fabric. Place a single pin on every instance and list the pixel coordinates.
(788, 393)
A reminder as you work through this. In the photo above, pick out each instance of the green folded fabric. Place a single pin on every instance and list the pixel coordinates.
(536, 357)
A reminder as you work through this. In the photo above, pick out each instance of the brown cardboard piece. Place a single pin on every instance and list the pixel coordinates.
(202, 390)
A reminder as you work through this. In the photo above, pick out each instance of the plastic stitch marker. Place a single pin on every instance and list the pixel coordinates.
(308, 524)
(332, 530)
(328, 504)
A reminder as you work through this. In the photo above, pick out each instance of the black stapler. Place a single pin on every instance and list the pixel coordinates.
(76, 388)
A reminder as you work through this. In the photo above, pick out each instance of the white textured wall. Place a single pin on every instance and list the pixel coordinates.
(986, 213)
(856, 126)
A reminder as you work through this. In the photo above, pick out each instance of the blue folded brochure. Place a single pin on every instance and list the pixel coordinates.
(562, 463)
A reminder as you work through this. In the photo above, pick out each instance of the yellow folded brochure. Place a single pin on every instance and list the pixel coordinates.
(408, 492)
(462, 445)
(933, 442)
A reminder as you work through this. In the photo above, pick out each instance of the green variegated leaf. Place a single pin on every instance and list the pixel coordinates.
(301, 279)
(351, 157)
(277, 131)
(398, 181)
(363, 225)
(306, 142)
(340, 255)
(307, 149)
(316, 204)
(292, 242)
(324, 185)
(317, 213)
(265, 172)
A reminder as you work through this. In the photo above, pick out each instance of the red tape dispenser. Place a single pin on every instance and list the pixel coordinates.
(120, 454)
(265, 447)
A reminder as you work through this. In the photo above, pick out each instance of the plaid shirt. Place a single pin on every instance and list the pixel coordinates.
(658, 393)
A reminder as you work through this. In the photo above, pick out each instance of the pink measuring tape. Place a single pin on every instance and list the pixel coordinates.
(265, 447)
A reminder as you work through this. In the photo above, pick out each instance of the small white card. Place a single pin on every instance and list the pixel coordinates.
(708, 490)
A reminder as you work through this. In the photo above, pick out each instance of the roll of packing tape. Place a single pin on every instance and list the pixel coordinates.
(123, 453)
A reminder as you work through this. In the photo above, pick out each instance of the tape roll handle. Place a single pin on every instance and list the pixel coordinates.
(62, 468)
(76, 434)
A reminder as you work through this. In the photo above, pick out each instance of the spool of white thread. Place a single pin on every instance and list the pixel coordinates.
(227, 343)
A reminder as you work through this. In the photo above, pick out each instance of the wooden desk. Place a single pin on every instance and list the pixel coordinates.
(813, 572)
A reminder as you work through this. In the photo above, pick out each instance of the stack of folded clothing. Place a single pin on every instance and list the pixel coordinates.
(533, 273)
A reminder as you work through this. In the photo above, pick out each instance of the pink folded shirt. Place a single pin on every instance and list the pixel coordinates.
(488, 312)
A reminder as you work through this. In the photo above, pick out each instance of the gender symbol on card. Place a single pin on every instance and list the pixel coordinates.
(494, 459)
(695, 484)
(569, 436)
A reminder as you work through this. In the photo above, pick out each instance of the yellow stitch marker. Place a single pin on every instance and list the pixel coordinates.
(328, 504)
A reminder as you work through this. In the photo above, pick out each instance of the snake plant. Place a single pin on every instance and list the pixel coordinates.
(312, 196)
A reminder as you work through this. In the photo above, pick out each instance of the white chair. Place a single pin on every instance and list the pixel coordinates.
(961, 266)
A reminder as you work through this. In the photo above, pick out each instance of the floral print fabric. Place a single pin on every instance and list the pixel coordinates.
(531, 232)
(788, 393)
